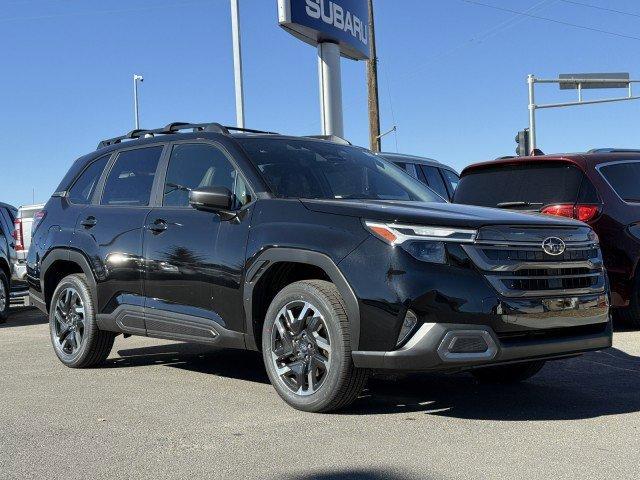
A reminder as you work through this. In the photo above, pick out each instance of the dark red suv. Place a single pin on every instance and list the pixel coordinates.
(600, 187)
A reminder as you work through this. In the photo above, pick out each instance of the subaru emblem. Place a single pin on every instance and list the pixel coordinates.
(553, 246)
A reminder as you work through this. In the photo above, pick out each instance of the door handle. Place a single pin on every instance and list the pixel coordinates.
(158, 226)
(89, 222)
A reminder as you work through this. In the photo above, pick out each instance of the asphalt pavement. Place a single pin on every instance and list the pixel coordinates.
(166, 410)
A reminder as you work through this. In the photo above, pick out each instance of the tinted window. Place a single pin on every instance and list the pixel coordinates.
(317, 169)
(534, 184)
(200, 165)
(82, 190)
(131, 177)
(624, 178)
(452, 178)
(434, 180)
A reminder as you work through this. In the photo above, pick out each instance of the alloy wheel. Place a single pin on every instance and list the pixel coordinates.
(69, 321)
(3, 296)
(301, 347)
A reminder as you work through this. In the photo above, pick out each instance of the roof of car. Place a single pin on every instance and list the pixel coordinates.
(401, 157)
(582, 160)
(6, 205)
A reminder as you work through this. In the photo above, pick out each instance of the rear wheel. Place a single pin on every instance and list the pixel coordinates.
(306, 348)
(4, 297)
(76, 339)
(517, 372)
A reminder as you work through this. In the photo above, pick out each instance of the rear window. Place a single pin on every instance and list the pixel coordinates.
(623, 177)
(533, 185)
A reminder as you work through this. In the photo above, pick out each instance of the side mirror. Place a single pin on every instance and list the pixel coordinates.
(212, 199)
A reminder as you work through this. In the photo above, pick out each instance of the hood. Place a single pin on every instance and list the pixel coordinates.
(437, 214)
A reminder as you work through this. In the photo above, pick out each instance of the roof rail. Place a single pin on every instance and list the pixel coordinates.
(330, 138)
(614, 150)
(175, 127)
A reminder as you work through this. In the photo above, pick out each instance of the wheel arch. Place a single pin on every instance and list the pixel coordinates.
(315, 262)
(61, 262)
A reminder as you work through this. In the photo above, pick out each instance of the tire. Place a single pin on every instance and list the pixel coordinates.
(631, 314)
(76, 338)
(319, 335)
(506, 374)
(4, 297)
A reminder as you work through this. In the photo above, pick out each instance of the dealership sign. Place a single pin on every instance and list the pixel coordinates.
(344, 22)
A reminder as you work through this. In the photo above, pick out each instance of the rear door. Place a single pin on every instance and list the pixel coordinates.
(110, 229)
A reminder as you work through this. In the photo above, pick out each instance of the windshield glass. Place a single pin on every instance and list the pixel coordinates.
(623, 177)
(317, 169)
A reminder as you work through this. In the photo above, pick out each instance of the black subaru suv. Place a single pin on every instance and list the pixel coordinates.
(329, 259)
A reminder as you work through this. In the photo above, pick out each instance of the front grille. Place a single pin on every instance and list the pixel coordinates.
(537, 255)
(525, 270)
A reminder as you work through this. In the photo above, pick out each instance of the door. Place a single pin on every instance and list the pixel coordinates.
(110, 232)
(194, 259)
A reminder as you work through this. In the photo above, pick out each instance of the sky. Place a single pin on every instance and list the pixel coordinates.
(452, 76)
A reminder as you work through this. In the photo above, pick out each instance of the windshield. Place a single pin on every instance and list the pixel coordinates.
(623, 177)
(317, 169)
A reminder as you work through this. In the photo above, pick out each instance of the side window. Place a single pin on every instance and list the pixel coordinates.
(452, 178)
(434, 180)
(131, 177)
(412, 169)
(194, 165)
(82, 190)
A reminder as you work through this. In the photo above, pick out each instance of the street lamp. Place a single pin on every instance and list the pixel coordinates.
(136, 112)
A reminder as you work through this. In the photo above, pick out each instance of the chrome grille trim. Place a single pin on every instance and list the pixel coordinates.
(546, 275)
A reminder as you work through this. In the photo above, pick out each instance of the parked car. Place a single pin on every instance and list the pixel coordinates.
(329, 259)
(9, 291)
(23, 223)
(440, 177)
(600, 187)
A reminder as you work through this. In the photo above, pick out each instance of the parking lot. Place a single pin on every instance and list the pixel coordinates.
(168, 410)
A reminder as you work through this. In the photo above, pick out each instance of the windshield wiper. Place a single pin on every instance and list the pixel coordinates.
(518, 204)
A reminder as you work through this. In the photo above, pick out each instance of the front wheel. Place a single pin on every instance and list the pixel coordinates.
(306, 347)
(517, 372)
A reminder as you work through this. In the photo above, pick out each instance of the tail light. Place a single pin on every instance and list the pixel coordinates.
(37, 219)
(582, 212)
(17, 235)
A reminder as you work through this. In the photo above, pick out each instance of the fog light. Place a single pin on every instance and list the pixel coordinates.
(467, 346)
(410, 321)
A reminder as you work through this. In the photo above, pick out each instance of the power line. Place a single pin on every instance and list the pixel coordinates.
(597, 7)
(553, 20)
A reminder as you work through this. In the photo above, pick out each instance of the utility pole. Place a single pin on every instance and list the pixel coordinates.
(375, 139)
(136, 110)
(237, 62)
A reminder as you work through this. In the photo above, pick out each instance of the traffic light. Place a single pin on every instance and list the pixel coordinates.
(522, 140)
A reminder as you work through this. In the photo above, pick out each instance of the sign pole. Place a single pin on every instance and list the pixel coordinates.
(237, 62)
(330, 88)
(375, 139)
(532, 115)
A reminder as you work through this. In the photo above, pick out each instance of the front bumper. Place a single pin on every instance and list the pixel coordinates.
(546, 329)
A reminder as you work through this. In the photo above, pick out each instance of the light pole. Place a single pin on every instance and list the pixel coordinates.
(136, 111)
(237, 62)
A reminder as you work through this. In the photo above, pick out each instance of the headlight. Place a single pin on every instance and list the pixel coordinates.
(634, 230)
(426, 243)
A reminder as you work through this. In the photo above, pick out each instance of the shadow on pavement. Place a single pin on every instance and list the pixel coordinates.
(596, 384)
(23, 317)
(239, 364)
(354, 475)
